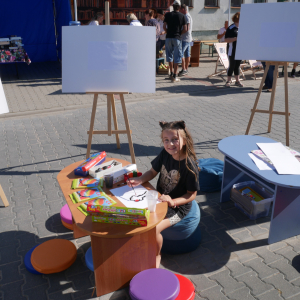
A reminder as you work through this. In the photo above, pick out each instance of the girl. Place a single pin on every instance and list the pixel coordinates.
(178, 180)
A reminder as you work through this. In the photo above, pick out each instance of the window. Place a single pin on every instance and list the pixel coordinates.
(236, 3)
(188, 3)
(260, 1)
(211, 3)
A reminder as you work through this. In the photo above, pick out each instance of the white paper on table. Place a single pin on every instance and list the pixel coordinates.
(259, 162)
(282, 159)
(127, 196)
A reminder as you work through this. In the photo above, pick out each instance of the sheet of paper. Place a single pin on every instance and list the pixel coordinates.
(107, 56)
(127, 196)
(259, 162)
(282, 159)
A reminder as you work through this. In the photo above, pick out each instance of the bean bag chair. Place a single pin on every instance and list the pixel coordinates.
(185, 236)
(211, 174)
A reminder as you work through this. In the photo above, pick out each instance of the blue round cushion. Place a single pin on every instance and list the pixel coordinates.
(211, 174)
(185, 236)
(27, 262)
(89, 259)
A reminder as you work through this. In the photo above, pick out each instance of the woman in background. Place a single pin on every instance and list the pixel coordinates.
(132, 20)
(97, 19)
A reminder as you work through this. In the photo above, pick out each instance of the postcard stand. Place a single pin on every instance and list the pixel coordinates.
(271, 112)
(111, 106)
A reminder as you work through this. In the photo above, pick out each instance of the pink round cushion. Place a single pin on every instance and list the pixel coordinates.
(65, 214)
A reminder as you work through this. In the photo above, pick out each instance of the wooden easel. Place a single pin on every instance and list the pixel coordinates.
(111, 106)
(3, 197)
(271, 112)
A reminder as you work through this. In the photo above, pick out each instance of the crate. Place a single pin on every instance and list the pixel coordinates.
(253, 209)
(163, 71)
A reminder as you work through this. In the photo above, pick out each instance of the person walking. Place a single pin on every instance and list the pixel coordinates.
(186, 39)
(231, 38)
(175, 26)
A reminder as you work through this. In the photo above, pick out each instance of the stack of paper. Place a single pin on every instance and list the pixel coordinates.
(276, 156)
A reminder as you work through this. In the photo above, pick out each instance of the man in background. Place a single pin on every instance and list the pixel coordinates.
(186, 39)
(162, 34)
(221, 33)
(175, 26)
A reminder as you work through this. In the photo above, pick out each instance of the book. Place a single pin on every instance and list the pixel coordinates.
(87, 194)
(103, 200)
(83, 183)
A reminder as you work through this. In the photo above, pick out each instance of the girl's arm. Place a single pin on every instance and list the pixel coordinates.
(149, 175)
(186, 198)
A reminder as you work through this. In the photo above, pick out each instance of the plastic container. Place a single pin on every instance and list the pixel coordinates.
(253, 209)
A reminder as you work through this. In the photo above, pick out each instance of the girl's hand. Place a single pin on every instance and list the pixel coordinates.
(166, 198)
(134, 182)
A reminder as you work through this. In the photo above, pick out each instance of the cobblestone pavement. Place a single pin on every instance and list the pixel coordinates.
(39, 87)
(233, 261)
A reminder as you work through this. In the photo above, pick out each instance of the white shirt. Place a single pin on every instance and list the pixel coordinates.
(135, 23)
(187, 37)
(94, 23)
(221, 31)
(161, 29)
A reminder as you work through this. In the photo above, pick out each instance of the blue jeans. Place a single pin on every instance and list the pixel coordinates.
(173, 50)
(186, 49)
(161, 43)
(269, 78)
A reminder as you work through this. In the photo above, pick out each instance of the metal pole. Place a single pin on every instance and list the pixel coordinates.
(107, 18)
(229, 11)
(75, 10)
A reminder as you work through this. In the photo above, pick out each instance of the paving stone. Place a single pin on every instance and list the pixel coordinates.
(260, 268)
(227, 282)
(9, 273)
(13, 291)
(266, 254)
(287, 289)
(277, 246)
(271, 295)
(287, 252)
(237, 269)
(285, 268)
(256, 285)
(201, 282)
(243, 293)
(213, 293)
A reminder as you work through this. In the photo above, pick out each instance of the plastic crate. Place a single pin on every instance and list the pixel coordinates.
(253, 209)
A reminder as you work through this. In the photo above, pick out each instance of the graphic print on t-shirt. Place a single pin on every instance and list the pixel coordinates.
(168, 180)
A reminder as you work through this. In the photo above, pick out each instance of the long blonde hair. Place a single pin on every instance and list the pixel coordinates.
(188, 148)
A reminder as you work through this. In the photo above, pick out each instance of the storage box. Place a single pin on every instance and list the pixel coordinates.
(252, 198)
(94, 159)
(119, 215)
(119, 175)
(105, 168)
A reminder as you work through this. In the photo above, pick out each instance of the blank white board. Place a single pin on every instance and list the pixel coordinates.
(3, 104)
(108, 59)
(269, 32)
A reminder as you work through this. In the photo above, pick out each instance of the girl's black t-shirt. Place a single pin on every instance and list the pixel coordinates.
(173, 184)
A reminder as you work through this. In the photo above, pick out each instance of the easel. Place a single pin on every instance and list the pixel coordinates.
(3, 197)
(271, 112)
(111, 106)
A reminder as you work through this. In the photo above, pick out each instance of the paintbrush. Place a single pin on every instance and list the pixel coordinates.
(131, 185)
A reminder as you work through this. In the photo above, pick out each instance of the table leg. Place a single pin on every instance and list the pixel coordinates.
(116, 261)
(285, 220)
(231, 175)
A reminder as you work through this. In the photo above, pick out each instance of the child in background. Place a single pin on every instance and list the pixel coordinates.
(178, 180)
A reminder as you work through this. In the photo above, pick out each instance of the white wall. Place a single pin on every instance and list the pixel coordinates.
(212, 19)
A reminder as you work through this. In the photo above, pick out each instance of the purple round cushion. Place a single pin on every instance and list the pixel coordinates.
(65, 214)
(158, 284)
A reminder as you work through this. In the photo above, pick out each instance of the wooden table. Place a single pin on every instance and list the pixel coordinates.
(119, 251)
(207, 42)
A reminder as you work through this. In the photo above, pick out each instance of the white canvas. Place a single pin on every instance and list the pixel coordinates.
(108, 59)
(3, 104)
(269, 32)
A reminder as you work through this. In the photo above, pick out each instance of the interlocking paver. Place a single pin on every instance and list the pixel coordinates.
(285, 268)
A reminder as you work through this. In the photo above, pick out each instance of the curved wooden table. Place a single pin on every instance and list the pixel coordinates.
(119, 251)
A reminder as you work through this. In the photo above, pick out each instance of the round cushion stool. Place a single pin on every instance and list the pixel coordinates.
(53, 256)
(89, 259)
(185, 236)
(27, 262)
(187, 289)
(158, 284)
(66, 217)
